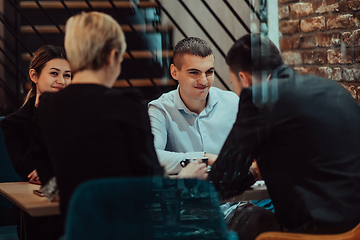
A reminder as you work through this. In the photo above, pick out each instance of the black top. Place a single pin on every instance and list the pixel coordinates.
(90, 131)
(19, 129)
(306, 141)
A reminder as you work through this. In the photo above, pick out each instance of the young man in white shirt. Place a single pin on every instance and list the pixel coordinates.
(194, 120)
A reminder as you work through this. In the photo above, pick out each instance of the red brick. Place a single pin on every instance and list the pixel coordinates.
(292, 58)
(314, 57)
(357, 55)
(339, 57)
(330, 73)
(351, 74)
(286, 1)
(341, 21)
(284, 12)
(352, 39)
(326, 6)
(305, 70)
(301, 9)
(286, 43)
(347, 5)
(327, 39)
(289, 26)
(312, 24)
(304, 42)
(351, 88)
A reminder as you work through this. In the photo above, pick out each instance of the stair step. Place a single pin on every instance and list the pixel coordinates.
(144, 82)
(82, 4)
(136, 54)
(125, 28)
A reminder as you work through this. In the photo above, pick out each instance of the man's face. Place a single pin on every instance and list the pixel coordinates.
(195, 76)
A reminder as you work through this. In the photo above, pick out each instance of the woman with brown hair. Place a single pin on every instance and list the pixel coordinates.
(49, 72)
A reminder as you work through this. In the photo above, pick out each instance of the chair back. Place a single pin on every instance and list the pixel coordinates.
(7, 174)
(141, 208)
(353, 234)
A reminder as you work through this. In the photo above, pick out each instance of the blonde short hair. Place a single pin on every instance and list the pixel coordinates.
(89, 39)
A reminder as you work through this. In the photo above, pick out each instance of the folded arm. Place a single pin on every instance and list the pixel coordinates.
(168, 159)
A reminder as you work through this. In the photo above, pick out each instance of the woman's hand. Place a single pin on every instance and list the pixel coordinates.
(34, 178)
(195, 169)
(211, 158)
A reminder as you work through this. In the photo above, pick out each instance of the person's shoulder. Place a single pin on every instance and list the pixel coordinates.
(165, 100)
(224, 95)
(25, 113)
(127, 96)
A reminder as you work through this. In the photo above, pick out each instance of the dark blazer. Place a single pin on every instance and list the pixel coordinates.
(89, 131)
(304, 133)
(19, 130)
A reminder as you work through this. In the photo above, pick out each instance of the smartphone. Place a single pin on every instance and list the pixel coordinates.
(39, 193)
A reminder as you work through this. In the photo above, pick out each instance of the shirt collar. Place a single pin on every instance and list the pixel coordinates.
(212, 101)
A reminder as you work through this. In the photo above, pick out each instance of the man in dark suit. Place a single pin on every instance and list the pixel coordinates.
(303, 131)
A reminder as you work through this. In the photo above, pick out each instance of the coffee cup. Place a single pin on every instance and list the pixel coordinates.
(185, 162)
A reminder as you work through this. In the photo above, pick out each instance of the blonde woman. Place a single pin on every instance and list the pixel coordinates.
(89, 129)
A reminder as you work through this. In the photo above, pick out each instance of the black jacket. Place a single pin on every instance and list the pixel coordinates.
(304, 133)
(19, 131)
(89, 131)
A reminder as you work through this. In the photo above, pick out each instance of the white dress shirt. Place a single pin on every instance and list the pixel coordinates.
(180, 133)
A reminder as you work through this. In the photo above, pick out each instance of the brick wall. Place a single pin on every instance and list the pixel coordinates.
(323, 37)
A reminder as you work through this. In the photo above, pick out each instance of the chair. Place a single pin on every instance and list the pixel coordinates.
(7, 174)
(134, 208)
(353, 234)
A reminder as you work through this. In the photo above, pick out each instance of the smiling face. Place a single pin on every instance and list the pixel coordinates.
(195, 77)
(55, 76)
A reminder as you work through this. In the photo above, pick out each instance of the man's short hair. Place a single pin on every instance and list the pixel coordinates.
(191, 46)
(89, 39)
(254, 54)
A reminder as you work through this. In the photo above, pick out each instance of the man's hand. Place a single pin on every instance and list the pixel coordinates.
(254, 169)
(212, 158)
(34, 178)
(195, 169)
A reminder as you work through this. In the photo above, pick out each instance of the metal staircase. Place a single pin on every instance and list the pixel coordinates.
(31, 24)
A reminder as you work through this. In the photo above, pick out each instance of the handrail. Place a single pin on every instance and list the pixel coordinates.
(47, 15)
(9, 92)
(90, 6)
(247, 29)
(210, 38)
(171, 18)
(15, 66)
(32, 26)
(218, 20)
(252, 9)
(14, 35)
(129, 52)
(66, 8)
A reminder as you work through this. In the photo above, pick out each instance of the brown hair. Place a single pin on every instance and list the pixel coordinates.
(254, 54)
(192, 46)
(41, 57)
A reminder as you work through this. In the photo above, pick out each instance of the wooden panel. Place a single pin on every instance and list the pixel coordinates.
(82, 4)
(136, 54)
(125, 28)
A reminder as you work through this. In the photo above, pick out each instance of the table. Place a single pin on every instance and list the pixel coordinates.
(21, 194)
